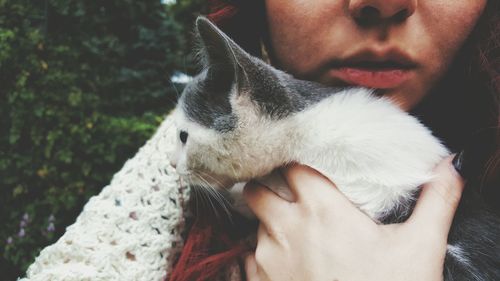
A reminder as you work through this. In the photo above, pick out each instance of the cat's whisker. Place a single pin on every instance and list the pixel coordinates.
(221, 200)
(214, 189)
(224, 202)
(195, 193)
(205, 192)
(203, 200)
(196, 198)
(215, 180)
(234, 170)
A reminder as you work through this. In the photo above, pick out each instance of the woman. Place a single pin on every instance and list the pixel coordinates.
(430, 58)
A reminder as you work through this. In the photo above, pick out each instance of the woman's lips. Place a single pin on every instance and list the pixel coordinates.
(371, 78)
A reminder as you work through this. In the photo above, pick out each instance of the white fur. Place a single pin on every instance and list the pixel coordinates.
(461, 257)
(376, 154)
(459, 254)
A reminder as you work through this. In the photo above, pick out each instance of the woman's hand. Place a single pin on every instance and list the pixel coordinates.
(323, 236)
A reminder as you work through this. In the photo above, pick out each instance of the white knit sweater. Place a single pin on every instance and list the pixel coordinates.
(131, 230)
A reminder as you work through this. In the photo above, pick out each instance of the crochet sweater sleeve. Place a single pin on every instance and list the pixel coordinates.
(131, 230)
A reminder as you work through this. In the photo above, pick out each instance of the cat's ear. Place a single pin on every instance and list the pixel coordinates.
(222, 57)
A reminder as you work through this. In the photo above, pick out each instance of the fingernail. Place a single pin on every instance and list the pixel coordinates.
(458, 163)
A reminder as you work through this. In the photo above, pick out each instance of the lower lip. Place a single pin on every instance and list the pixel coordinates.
(379, 79)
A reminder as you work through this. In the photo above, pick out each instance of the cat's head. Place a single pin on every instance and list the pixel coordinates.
(223, 115)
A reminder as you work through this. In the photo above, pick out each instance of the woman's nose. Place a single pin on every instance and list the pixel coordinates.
(370, 11)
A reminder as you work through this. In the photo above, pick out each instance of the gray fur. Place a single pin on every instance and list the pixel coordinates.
(206, 107)
(229, 70)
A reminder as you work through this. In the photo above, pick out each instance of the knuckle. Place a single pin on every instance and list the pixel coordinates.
(259, 254)
(448, 186)
(312, 210)
(448, 192)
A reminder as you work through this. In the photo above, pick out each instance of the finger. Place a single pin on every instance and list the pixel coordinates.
(304, 181)
(439, 200)
(268, 207)
(314, 190)
(277, 184)
(310, 186)
(251, 268)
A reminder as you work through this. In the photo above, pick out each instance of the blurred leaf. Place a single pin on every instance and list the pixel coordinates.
(83, 84)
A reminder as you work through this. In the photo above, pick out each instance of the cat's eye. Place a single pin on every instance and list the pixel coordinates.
(183, 136)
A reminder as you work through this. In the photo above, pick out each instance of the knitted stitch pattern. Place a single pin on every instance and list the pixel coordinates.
(131, 230)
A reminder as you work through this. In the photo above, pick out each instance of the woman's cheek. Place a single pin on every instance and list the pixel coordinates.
(448, 25)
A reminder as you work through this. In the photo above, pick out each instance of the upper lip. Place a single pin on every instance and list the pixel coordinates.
(391, 58)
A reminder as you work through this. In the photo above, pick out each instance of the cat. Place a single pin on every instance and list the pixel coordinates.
(240, 119)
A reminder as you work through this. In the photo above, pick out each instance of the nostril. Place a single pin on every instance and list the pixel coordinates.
(369, 12)
(374, 12)
(401, 15)
(367, 15)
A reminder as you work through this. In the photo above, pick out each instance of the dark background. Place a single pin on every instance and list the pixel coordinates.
(83, 84)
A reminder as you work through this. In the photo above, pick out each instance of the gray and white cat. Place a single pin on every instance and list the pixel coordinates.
(240, 119)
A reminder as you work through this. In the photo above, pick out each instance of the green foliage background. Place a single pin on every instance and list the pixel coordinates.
(83, 84)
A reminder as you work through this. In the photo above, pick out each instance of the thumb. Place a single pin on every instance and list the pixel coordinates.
(439, 199)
